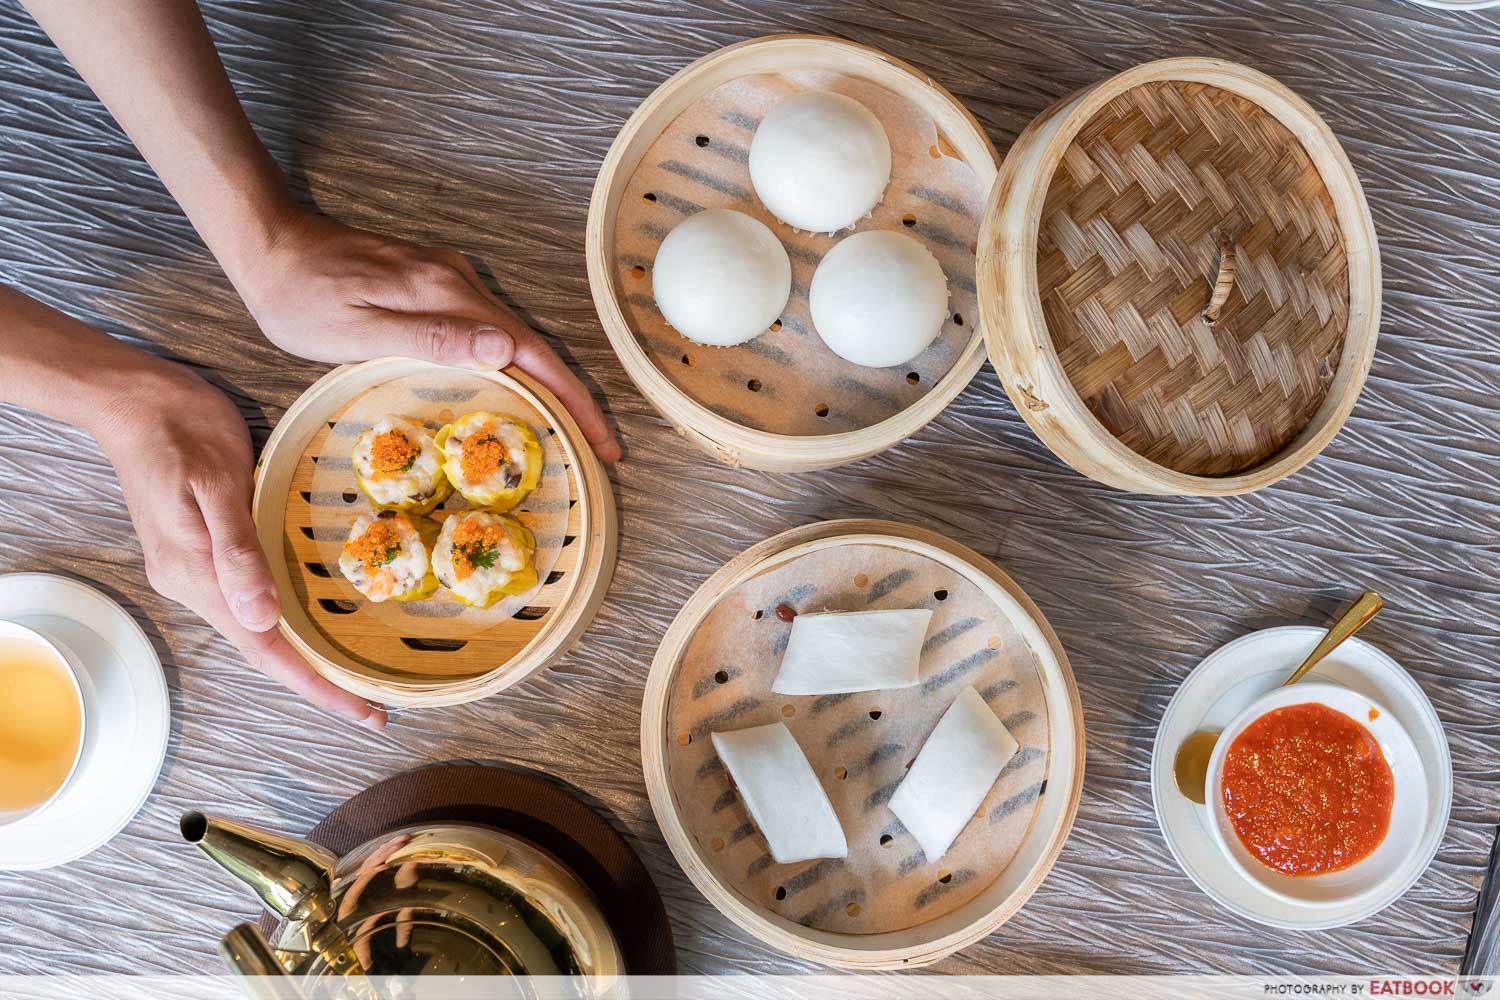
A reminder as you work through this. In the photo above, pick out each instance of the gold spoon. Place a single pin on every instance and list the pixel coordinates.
(1191, 766)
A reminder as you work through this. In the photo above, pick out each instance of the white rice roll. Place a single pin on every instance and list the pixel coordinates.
(953, 773)
(784, 797)
(837, 652)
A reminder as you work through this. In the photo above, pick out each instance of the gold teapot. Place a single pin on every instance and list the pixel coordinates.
(446, 899)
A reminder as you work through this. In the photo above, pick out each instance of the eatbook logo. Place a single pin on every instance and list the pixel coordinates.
(1477, 987)
(1425, 987)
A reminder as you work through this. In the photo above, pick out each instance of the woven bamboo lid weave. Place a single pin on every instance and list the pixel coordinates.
(1180, 279)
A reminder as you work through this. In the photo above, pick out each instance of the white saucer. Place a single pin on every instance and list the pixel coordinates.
(1220, 688)
(1457, 4)
(127, 713)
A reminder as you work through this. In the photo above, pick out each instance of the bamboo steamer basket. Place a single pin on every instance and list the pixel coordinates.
(733, 442)
(418, 664)
(696, 817)
(1180, 280)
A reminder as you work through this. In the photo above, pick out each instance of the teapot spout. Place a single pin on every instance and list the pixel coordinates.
(292, 877)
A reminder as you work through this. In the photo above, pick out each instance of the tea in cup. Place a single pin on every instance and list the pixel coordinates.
(41, 721)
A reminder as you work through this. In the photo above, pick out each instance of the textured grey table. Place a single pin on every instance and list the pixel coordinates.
(480, 125)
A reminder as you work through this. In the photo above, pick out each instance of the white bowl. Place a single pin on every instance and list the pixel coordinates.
(1375, 874)
(71, 668)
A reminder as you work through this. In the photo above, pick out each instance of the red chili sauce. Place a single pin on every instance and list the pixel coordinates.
(1307, 790)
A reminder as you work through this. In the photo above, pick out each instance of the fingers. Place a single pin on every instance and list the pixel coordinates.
(240, 565)
(266, 651)
(533, 356)
(363, 938)
(446, 340)
(368, 869)
(404, 920)
(272, 655)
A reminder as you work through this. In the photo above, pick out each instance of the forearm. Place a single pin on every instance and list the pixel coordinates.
(154, 66)
(71, 372)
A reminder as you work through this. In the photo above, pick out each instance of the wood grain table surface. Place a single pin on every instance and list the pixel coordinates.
(479, 124)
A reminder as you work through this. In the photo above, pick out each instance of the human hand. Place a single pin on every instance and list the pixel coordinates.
(328, 292)
(183, 458)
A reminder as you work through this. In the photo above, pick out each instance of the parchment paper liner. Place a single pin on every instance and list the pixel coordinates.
(878, 887)
(801, 387)
(434, 400)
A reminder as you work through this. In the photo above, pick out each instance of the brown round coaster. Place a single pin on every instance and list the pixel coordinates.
(531, 807)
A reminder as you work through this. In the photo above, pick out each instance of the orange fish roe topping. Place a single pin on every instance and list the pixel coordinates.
(392, 453)
(475, 545)
(483, 454)
(377, 546)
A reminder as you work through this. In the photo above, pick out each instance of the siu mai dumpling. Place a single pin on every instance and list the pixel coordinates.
(492, 460)
(837, 652)
(398, 466)
(784, 797)
(953, 773)
(482, 557)
(386, 559)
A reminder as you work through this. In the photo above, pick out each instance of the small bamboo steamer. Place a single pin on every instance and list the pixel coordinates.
(733, 443)
(1147, 129)
(923, 943)
(393, 666)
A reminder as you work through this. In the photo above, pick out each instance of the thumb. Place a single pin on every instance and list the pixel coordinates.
(273, 656)
(244, 575)
(447, 340)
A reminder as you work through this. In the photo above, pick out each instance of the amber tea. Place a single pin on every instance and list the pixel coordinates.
(41, 722)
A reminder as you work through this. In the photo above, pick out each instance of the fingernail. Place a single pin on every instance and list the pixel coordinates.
(257, 612)
(491, 347)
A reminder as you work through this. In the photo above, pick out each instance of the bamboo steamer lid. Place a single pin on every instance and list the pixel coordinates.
(426, 660)
(1180, 281)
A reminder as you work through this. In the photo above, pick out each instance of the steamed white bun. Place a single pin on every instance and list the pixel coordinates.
(721, 278)
(820, 161)
(878, 298)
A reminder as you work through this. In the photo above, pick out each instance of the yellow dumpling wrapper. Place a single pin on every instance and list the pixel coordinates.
(385, 558)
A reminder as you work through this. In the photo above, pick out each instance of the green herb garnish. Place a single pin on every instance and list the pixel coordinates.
(482, 556)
